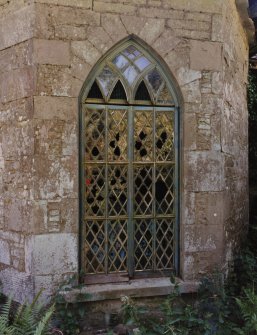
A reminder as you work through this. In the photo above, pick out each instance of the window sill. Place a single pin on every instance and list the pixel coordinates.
(135, 288)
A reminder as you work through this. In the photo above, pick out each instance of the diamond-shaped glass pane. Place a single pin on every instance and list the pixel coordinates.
(106, 79)
(94, 190)
(120, 61)
(94, 246)
(143, 244)
(164, 189)
(142, 63)
(94, 135)
(143, 136)
(117, 246)
(131, 52)
(143, 194)
(117, 190)
(164, 136)
(117, 135)
(130, 74)
(164, 244)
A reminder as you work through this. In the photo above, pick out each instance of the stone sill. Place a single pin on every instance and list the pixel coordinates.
(135, 288)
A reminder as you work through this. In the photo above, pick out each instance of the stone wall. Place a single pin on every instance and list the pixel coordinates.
(48, 48)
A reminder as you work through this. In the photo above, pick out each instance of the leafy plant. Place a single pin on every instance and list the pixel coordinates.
(28, 319)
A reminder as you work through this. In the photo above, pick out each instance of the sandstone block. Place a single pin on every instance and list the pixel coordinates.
(196, 16)
(204, 171)
(18, 215)
(205, 56)
(61, 15)
(17, 27)
(151, 30)
(190, 131)
(113, 26)
(208, 6)
(85, 51)
(186, 76)
(51, 52)
(99, 38)
(71, 3)
(79, 69)
(133, 24)
(120, 8)
(217, 28)
(160, 13)
(192, 34)
(16, 84)
(55, 253)
(5, 257)
(70, 32)
(166, 42)
(48, 108)
(21, 110)
(155, 3)
(191, 92)
(189, 25)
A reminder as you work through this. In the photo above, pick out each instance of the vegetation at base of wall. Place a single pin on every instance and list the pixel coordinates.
(27, 319)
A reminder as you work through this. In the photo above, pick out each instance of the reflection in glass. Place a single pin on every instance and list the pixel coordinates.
(106, 79)
(120, 61)
(130, 74)
(142, 63)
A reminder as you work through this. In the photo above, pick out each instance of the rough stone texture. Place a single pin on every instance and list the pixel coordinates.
(47, 50)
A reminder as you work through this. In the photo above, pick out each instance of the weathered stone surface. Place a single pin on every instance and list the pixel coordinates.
(17, 27)
(77, 3)
(208, 6)
(86, 51)
(51, 52)
(55, 253)
(113, 25)
(205, 56)
(104, 7)
(48, 108)
(151, 30)
(166, 42)
(5, 253)
(161, 13)
(99, 38)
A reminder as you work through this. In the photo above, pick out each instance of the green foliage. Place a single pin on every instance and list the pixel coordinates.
(28, 319)
(70, 315)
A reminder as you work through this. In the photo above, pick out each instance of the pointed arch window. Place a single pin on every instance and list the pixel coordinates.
(129, 170)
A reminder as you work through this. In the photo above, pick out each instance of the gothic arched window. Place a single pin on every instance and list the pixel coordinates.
(129, 168)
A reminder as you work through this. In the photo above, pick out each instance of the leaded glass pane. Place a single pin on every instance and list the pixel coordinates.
(120, 61)
(143, 136)
(117, 134)
(94, 246)
(130, 74)
(164, 97)
(118, 190)
(164, 189)
(106, 79)
(155, 80)
(131, 52)
(94, 190)
(117, 246)
(142, 63)
(94, 134)
(143, 190)
(164, 243)
(143, 244)
(164, 136)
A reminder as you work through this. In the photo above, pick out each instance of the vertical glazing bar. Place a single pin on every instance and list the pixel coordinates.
(106, 192)
(130, 192)
(81, 256)
(153, 190)
(176, 191)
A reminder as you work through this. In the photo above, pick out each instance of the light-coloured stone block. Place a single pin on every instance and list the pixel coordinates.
(5, 253)
(205, 56)
(85, 51)
(51, 52)
(120, 8)
(55, 253)
(208, 6)
(48, 108)
(151, 30)
(114, 27)
(71, 3)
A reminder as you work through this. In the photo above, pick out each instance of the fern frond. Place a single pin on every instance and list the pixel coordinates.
(43, 324)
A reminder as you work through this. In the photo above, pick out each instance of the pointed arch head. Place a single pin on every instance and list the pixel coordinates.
(132, 73)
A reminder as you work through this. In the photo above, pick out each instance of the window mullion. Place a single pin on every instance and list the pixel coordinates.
(130, 192)
(106, 193)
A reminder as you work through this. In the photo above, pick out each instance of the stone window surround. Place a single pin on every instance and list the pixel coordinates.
(136, 288)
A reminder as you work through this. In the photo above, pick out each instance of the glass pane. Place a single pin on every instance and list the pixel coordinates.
(143, 194)
(117, 246)
(117, 190)
(117, 135)
(164, 97)
(106, 79)
(143, 244)
(94, 246)
(120, 61)
(143, 136)
(95, 190)
(130, 74)
(94, 92)
(142, 92)
(155, 80)
(164, 244)
(142, 63)
(94, 135)
(164, 136)
(131, 52)
(118, 92)
(164, 189)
